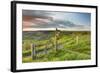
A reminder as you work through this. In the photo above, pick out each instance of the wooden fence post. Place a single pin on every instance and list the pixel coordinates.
(33, 53)
(77, 40)
(46, 47)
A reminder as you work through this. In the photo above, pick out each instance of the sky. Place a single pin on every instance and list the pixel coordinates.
(44, 19)
(77, 18)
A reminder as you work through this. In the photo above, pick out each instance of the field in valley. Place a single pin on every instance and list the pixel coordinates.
(44, 46)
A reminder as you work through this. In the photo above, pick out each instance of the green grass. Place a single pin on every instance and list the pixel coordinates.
(69, 49)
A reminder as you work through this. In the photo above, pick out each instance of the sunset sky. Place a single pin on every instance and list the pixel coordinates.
(52, 19)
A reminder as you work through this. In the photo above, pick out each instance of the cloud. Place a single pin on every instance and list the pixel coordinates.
(35, 13)
(51, 19)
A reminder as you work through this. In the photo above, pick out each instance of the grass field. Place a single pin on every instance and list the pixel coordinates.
(65, 45)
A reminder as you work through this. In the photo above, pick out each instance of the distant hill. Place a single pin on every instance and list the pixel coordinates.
(60, 24)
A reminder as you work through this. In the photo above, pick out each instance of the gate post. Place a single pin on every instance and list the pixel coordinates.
(77, 40)
(46, 47)
(33, 53)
